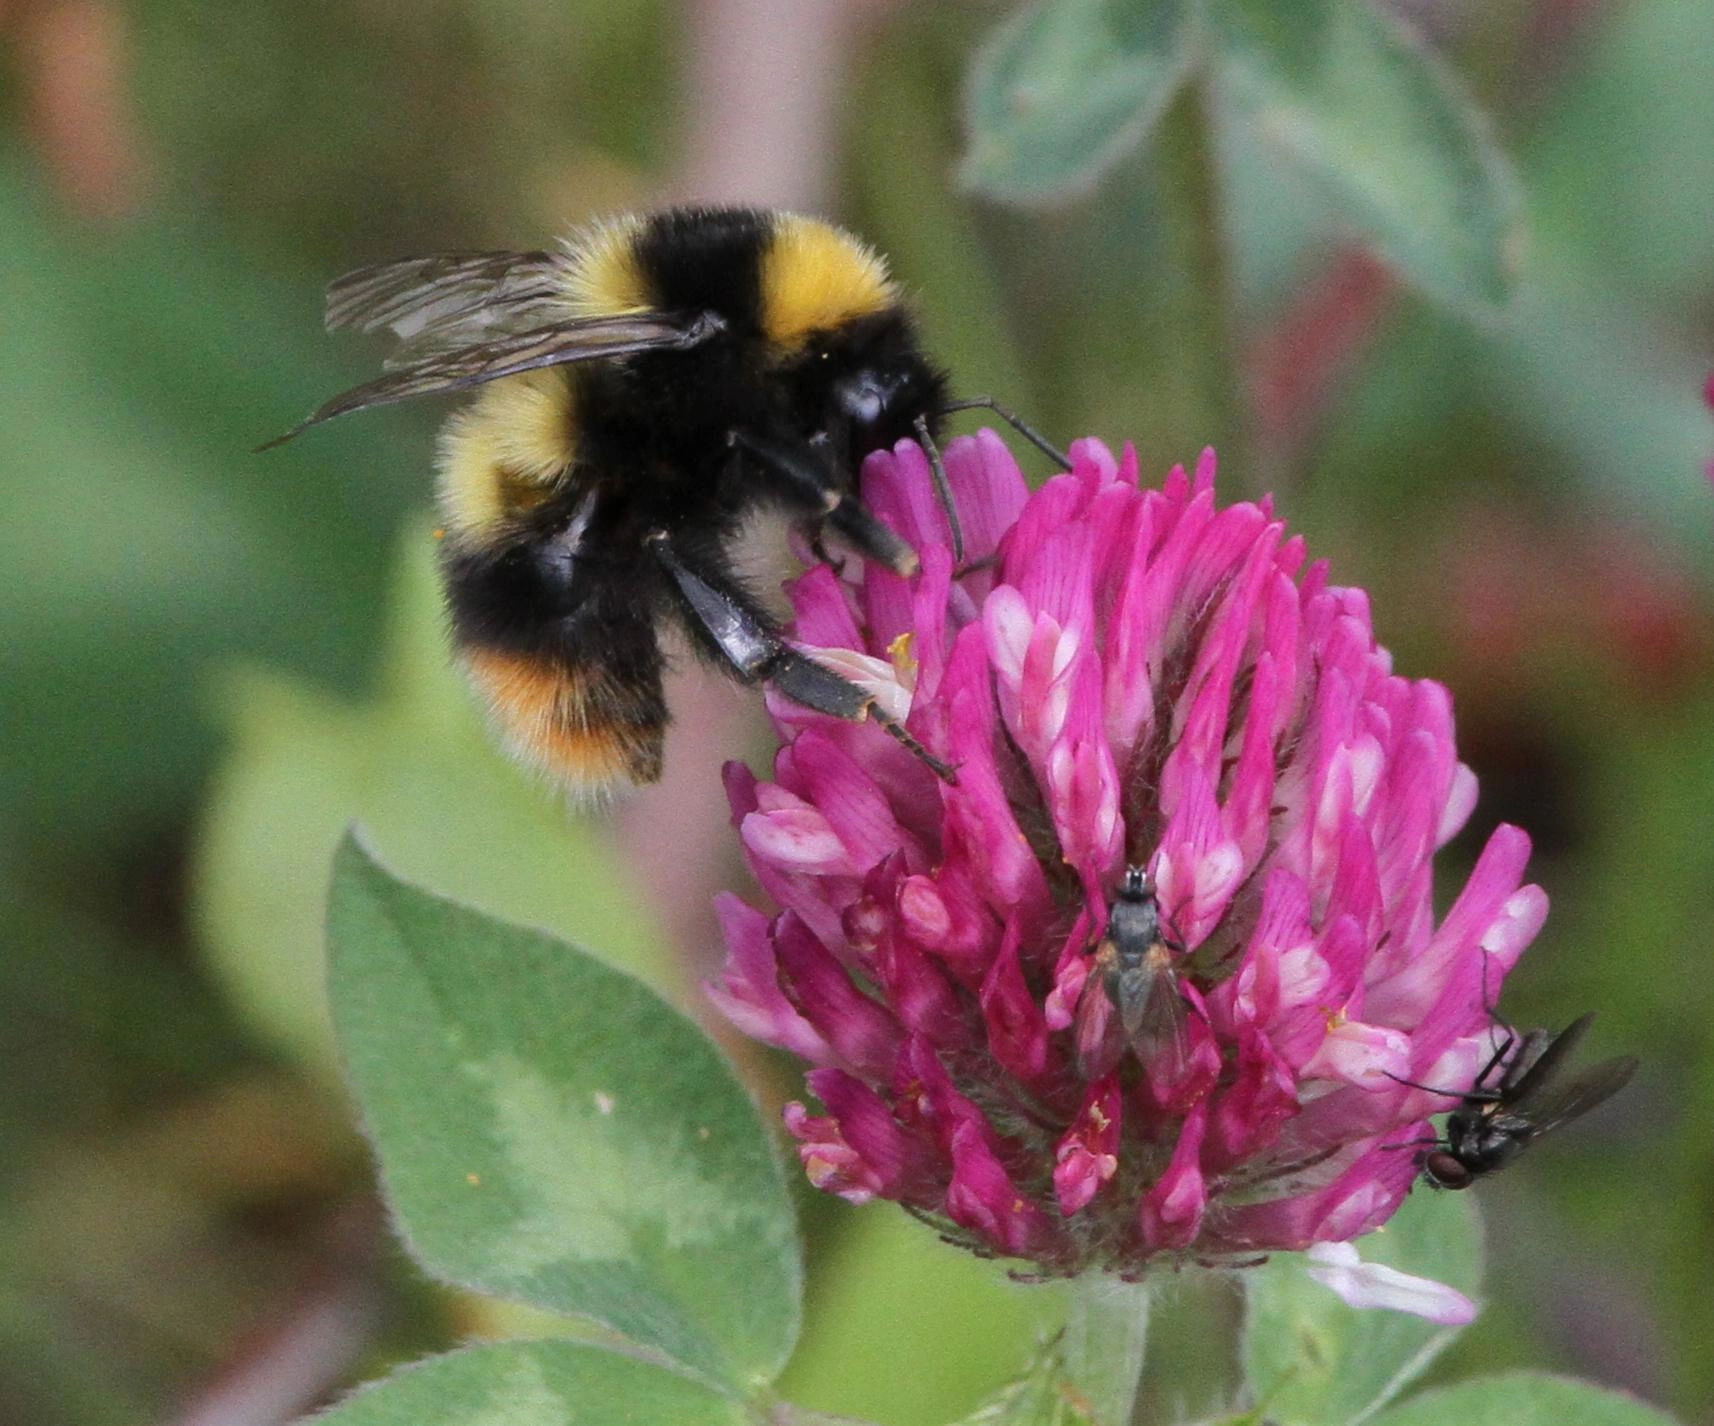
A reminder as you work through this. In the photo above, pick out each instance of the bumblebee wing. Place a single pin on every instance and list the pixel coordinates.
(573, 340)
(1552, 1104)
(448, 300)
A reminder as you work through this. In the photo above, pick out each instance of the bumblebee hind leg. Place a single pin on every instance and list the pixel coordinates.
(727, 622)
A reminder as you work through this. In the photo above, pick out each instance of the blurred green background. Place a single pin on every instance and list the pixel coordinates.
(212, 660)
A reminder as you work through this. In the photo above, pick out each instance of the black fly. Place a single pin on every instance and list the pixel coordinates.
(1131, 998)
(1533, 1096)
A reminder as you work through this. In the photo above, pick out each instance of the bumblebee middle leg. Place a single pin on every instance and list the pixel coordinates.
(729, 623)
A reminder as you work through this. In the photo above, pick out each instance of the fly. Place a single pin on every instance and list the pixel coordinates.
(1532, 1096)
(1131, 997)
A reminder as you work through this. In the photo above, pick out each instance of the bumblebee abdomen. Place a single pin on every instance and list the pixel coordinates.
(585, 725)
(555, 624)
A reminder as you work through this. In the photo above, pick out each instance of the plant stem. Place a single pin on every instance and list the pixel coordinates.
(1196, 259)
(1106, 1332)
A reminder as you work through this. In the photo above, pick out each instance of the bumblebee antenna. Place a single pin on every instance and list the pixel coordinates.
(937, 466)
(1012, 419)
(942, 488)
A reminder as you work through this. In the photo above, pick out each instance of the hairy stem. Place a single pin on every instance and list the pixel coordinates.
(1106, 1332)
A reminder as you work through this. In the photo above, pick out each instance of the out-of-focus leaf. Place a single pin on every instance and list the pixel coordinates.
(1523, 1399)
(1621, 161)
(1313, 1361)
(90, 1030)
(550, 1130)
(1384, 135)
(535, 1384)
(145, 540)
(1615, 397)
(1064, 88)
(416, 767)
(902, 1329)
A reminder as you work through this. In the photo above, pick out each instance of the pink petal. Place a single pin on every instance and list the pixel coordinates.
(862, 1032)
(1086, 1156)
(748, 993)
(1171, 1211)
(1363, 1285)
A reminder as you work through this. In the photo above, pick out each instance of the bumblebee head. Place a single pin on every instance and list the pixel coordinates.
(843, 341)
(867, 383)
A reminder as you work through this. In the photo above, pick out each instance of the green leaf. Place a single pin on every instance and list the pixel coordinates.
(1523, 1399)
(1065, 88)
(535, 1384)
(549, 1130)
(1042, 1396)
(1313, 1361)
(1380, 128)
(143, 363)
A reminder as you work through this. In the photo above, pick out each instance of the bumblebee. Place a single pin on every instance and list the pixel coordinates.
(639, 394)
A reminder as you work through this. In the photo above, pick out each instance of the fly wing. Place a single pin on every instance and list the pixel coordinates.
(1538, 1063)
(573, 340)
(1162, 1035)
(1097, 1037)
(448, 300)
(1515, 1069)
(1554, 1103)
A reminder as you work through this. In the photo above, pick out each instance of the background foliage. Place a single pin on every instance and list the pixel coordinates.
(211, 662)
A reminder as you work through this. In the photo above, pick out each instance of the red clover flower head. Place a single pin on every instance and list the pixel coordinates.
(1145, 983)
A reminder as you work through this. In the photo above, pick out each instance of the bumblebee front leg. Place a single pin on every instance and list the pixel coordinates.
(806, 477)
(724, 618)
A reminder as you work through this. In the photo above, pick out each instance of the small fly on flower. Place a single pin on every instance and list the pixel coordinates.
(1132, 998)
(1492, 1124)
